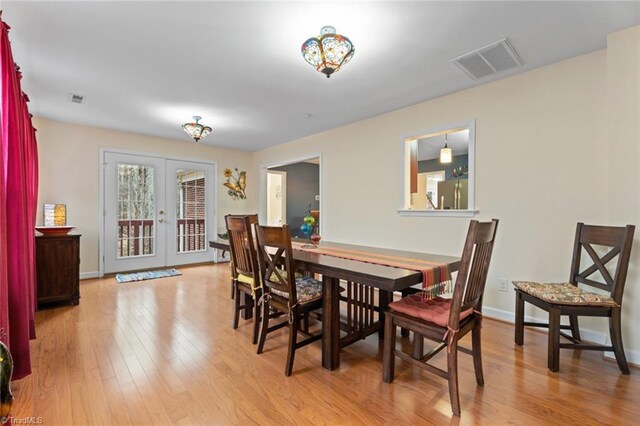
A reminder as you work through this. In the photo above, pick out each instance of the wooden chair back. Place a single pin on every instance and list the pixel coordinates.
(619, 241)
(474, 267)
(275, 255)
(243, 250)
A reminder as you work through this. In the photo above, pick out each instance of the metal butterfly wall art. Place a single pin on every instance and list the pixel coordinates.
(236, 183)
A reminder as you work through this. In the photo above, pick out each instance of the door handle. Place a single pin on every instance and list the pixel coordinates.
(160, 220)
(161, 212)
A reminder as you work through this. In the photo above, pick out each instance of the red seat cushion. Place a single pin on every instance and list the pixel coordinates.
(435, 310)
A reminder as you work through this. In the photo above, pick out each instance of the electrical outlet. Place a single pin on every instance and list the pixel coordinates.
(503, 285)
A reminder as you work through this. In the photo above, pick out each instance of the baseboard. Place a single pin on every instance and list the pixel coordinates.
(89, 275)
(633, 356)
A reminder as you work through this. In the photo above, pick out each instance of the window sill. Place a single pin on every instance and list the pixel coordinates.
(438, 213)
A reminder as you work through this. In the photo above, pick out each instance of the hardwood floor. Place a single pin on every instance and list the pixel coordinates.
(164, 352)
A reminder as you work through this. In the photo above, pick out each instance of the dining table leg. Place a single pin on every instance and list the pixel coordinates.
(384, 298)
(330, 322)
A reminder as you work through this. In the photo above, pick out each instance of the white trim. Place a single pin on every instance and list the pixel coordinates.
(101, 162)
(89, 275)
(633, 356)
(438, 213)
(263, 184)
(471, 125)
(101, 246)
(153, 154)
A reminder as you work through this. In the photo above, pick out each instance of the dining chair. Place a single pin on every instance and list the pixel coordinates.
(445, 321)
(284, 291)
(244, 268)
(567, 299)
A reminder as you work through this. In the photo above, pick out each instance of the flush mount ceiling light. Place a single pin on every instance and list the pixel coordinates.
(445, 153)
(328, 51)
(196, 130)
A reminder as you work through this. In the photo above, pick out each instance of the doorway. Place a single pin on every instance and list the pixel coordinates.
(157, 212)
(276, 197)
(300, 193)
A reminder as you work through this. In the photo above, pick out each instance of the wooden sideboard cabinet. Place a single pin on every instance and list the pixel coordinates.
(58, 268)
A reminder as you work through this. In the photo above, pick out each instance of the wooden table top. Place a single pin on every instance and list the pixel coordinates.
(383, 277)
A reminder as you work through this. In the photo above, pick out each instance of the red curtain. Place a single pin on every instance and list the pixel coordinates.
(18, 203)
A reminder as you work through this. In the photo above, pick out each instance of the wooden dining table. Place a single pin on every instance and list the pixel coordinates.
(386, 279)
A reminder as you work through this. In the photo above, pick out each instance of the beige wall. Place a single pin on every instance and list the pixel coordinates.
(70, 173)
(543, 142)
(623, 138)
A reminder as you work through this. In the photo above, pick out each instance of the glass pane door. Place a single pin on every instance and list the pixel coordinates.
(134, 232)
(190, 193)
(191, 190)
(136, 211)
(158, 212)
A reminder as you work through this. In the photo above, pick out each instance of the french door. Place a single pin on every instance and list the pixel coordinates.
(158, 212)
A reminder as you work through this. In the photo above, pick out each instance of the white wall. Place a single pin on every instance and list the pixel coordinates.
(543, 161)
(70, 170)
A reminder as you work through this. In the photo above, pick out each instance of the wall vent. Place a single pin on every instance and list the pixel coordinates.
(77, 99)
(488, 60)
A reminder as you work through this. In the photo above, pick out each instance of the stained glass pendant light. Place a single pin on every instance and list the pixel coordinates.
(328, 51)
(196, 130)
(445, 153)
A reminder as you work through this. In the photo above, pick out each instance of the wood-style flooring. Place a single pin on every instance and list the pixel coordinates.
(163, 352)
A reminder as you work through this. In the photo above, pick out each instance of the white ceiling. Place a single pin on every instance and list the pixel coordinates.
(147, 67)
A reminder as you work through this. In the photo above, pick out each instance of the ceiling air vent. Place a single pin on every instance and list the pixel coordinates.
(77, 99)
(491, 59)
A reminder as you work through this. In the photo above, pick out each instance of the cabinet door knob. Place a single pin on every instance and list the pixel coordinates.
(160, 220)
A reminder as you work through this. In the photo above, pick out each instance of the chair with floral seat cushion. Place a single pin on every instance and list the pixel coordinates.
(567, 299)
(445, 320)
(284, 291)
(244, 268)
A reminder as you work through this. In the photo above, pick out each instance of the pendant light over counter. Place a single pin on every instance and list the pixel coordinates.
(446, 155)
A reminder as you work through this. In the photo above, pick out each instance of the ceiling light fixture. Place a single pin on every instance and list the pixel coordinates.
(445, 153)
(196, 130)
(328, 51)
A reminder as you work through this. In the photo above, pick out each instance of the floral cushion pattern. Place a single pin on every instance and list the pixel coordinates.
(307, 289)
(563, 294)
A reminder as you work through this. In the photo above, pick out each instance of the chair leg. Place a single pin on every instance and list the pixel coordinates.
(476, 345)
(256, 318)
(616, 340)
(418, 346)
(264, 326)
(389, 350)
(553, 356)
(293, 335)
(236, 305)
(452, 367)
(519, 338)
(403, 331)
(233, 290)
(575, 328)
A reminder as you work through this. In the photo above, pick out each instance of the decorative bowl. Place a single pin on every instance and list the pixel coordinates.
(54, 230)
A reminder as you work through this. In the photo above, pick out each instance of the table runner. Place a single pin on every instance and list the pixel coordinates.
(436, 277)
